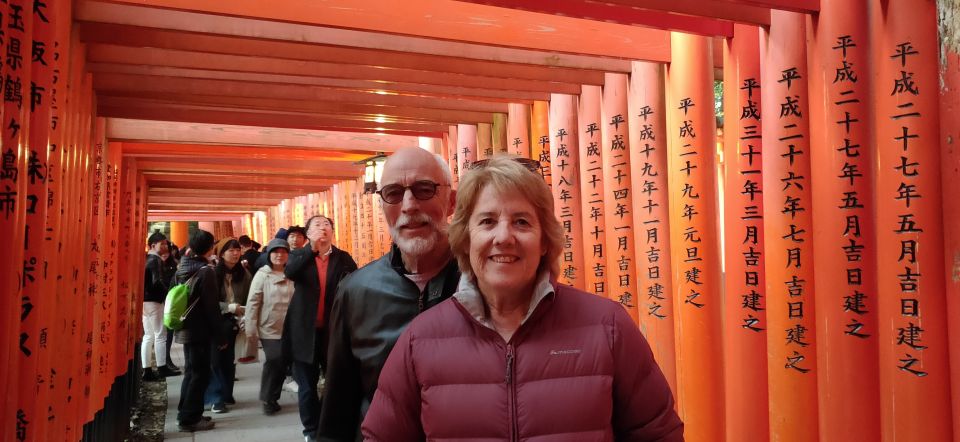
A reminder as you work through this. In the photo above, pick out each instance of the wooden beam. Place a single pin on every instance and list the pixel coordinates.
(212, 24)
(138, 84)
(292, 170)
(121, 129)
(213, 152)
(445, 20)
(801, 6)
(170, 215)
(330, 108)
(475, 92)
(291, 120)
(136, 36)
(704, 8)
(625, 15)
(110, 53)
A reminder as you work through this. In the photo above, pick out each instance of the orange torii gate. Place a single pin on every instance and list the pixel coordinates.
(802, 295)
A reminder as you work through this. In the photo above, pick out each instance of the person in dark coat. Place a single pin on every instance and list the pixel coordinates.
(376, 303)
(249, 252)
(316, 270)
(514, 355)
(202, 329)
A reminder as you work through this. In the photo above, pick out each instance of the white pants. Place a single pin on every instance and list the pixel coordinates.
(154, 334)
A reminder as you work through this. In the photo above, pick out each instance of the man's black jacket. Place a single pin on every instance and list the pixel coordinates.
(299, 329)
(374, 305)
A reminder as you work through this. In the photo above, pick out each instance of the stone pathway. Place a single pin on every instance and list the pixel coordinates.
(245, 421)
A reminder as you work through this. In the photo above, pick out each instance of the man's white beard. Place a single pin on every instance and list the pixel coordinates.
(417, 246)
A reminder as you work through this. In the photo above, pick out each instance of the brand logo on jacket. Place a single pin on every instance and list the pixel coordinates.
(565, 352)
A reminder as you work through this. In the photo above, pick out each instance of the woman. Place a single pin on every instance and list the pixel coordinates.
(514, 355)
(234, 282)
(270, 294)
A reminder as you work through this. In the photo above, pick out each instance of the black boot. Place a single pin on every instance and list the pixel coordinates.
(166, 371)
(149, 375)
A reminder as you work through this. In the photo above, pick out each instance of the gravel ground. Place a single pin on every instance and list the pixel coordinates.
(148, 415)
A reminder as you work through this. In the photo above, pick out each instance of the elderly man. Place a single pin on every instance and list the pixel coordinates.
(375, 304)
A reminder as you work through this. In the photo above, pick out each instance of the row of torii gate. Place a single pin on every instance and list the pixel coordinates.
(796, 276)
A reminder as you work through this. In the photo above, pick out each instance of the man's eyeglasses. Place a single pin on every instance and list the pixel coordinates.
(422, 190)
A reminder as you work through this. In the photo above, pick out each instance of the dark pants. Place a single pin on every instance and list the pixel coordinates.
(169, 343)
(307, 375)
(274, 370)
(196, 376)
(223, 370)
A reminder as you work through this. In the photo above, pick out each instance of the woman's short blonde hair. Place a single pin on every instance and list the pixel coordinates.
(508, 177)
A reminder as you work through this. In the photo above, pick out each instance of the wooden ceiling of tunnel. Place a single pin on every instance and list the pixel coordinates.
(233, 106)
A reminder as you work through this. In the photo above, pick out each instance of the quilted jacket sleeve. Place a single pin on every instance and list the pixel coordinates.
(643, 404)
(394, 414)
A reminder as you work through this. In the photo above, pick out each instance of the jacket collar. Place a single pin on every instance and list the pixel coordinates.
(273, 277)
(468, 295)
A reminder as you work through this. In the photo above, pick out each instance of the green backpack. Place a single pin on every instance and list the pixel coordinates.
(175, 309)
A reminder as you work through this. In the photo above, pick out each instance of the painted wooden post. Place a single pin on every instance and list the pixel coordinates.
(179, 233)
(791, 335)
(950, 170)
(564, 166)
(36, 294)
(466, 147)
(54, 238)
(745, 318)
(518, 129)
(540, 134)
(484, 140)
(591, 190)
(617, 202)
(694, 241)
(13, 188)
(453, 138)
(648, 161)
(911, 310)
(499, 133)
(842, 148)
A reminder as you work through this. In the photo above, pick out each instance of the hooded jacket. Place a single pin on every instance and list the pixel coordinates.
(204, 322)
(577, 369)
(270, 294)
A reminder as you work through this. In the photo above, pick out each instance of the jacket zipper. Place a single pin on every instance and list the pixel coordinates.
(512, 395)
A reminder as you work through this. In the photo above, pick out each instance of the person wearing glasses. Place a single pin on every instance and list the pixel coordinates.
(376, 303)
(317, 269)
(514, 355)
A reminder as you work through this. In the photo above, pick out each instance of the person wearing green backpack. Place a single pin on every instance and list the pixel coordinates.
(202, 331)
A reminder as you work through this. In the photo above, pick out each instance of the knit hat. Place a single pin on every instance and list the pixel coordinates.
(155, 237)
(201, 242)
(281, 234)
(225, 244)
(276, 243)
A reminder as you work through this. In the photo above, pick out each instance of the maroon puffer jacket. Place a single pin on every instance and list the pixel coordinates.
(577, 369)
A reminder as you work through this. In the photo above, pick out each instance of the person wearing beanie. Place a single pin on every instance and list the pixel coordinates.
(270, 294)
(233, 281)
(156, 282)
(203, 330)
